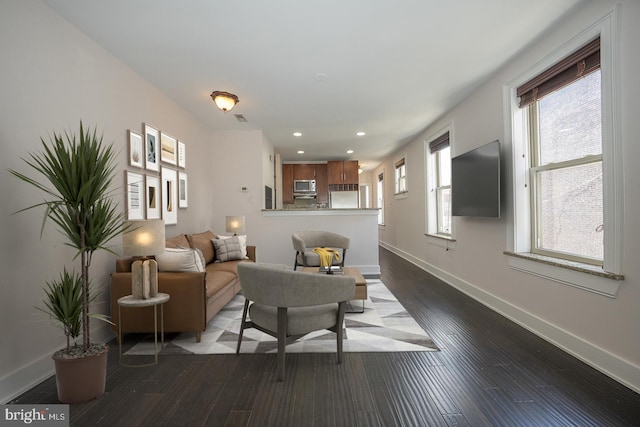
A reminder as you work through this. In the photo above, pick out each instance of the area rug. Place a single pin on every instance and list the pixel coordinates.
(385, 326)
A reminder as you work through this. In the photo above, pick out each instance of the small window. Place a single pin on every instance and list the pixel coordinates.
(401, 176)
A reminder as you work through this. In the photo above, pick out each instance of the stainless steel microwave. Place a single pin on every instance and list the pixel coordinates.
(304, 187)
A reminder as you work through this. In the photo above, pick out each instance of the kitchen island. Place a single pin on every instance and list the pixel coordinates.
(360, 225)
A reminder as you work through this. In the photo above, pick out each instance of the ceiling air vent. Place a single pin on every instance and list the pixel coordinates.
(241, 118)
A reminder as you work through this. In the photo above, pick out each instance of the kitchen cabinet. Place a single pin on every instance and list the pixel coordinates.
(343, 172)
(287, 183)
(322, 185)
(304, 171)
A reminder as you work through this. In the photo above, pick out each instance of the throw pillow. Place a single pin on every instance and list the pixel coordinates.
(227, 249)
(202, 241)
(243, 243)
(177, 241)
(179, 259)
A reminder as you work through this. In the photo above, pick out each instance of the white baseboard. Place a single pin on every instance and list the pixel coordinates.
(611, 365)
(19, 381)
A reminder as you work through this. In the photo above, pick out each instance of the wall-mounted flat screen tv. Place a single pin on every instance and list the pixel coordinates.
(475, 182)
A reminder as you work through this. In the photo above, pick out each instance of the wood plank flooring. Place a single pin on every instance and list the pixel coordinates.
(489, 372)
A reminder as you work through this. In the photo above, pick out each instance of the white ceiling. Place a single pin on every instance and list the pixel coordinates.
(324, 68)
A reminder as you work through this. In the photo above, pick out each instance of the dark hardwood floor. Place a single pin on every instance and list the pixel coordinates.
(489, 372)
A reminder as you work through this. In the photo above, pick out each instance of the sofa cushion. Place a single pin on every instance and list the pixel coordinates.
(202, 241)
(174, 259)
(215, 282)
(180, 241)
(229, 267)
(228, 249)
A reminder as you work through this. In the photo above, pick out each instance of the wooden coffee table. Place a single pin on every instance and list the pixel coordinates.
(361, 283)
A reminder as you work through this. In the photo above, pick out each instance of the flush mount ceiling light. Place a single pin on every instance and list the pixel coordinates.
(224, 100)
(360, 133)
(297, 134)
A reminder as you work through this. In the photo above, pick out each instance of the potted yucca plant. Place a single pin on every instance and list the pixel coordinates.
(77, 172)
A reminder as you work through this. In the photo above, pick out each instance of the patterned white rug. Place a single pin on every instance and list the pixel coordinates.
(385, 326)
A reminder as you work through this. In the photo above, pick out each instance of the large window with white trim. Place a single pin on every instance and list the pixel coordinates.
(400, 166)
(439, 186)
(564, 119)
(380, 198)
(567, 164)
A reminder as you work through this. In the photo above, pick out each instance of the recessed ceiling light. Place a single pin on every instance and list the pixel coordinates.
(300, 151)
(297, 134)
(360, 133)
(349, 151)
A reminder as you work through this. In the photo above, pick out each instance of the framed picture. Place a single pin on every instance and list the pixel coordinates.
(136, 149)
(153, 197)
(135, 195)
(168, 148)
(182, 190)
(152, 139)
(182, 153)
(169, 196)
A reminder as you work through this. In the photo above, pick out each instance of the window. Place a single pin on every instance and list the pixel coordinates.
(439, 186)
(567, 165)
(380, 194)
(565, 171)
(401, 176)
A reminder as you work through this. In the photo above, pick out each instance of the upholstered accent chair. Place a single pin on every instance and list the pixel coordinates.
(305, 241)
(289, 304)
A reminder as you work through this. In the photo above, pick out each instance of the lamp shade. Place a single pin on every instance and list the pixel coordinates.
(224, 100)
(235, 224)
(144, 238)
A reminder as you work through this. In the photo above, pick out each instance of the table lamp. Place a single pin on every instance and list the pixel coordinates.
(144, 239)
(235, 224)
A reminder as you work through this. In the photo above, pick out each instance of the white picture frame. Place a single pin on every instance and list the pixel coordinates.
(153, 197)
(168, 149)
(183, 190)
(182, 155)
(151, 144)
(136, 149)
(135, 195)
(169, 195)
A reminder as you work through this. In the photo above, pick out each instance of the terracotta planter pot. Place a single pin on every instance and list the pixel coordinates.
(82, 379)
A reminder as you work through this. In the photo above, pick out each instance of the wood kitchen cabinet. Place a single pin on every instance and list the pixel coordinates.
(341, 173)
(287, 183)
(304, 171)
(322, 185)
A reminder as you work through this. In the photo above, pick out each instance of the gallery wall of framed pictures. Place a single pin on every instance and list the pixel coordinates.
(156, 179)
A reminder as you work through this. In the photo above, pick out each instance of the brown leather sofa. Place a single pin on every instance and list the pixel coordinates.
(194, 297)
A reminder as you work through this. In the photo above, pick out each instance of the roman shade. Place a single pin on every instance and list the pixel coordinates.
(575, 66)
(440, 143)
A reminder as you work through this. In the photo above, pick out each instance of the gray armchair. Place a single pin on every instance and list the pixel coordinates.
(288, 304)
(305, 241)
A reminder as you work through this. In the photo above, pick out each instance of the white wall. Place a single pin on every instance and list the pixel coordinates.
(52, 77)
(600, 330)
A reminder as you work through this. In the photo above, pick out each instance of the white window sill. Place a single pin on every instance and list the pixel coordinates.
(449, 243)
(584, 276)
(402, 195)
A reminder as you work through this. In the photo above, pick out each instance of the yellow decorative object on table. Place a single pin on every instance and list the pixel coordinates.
(326, 256)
